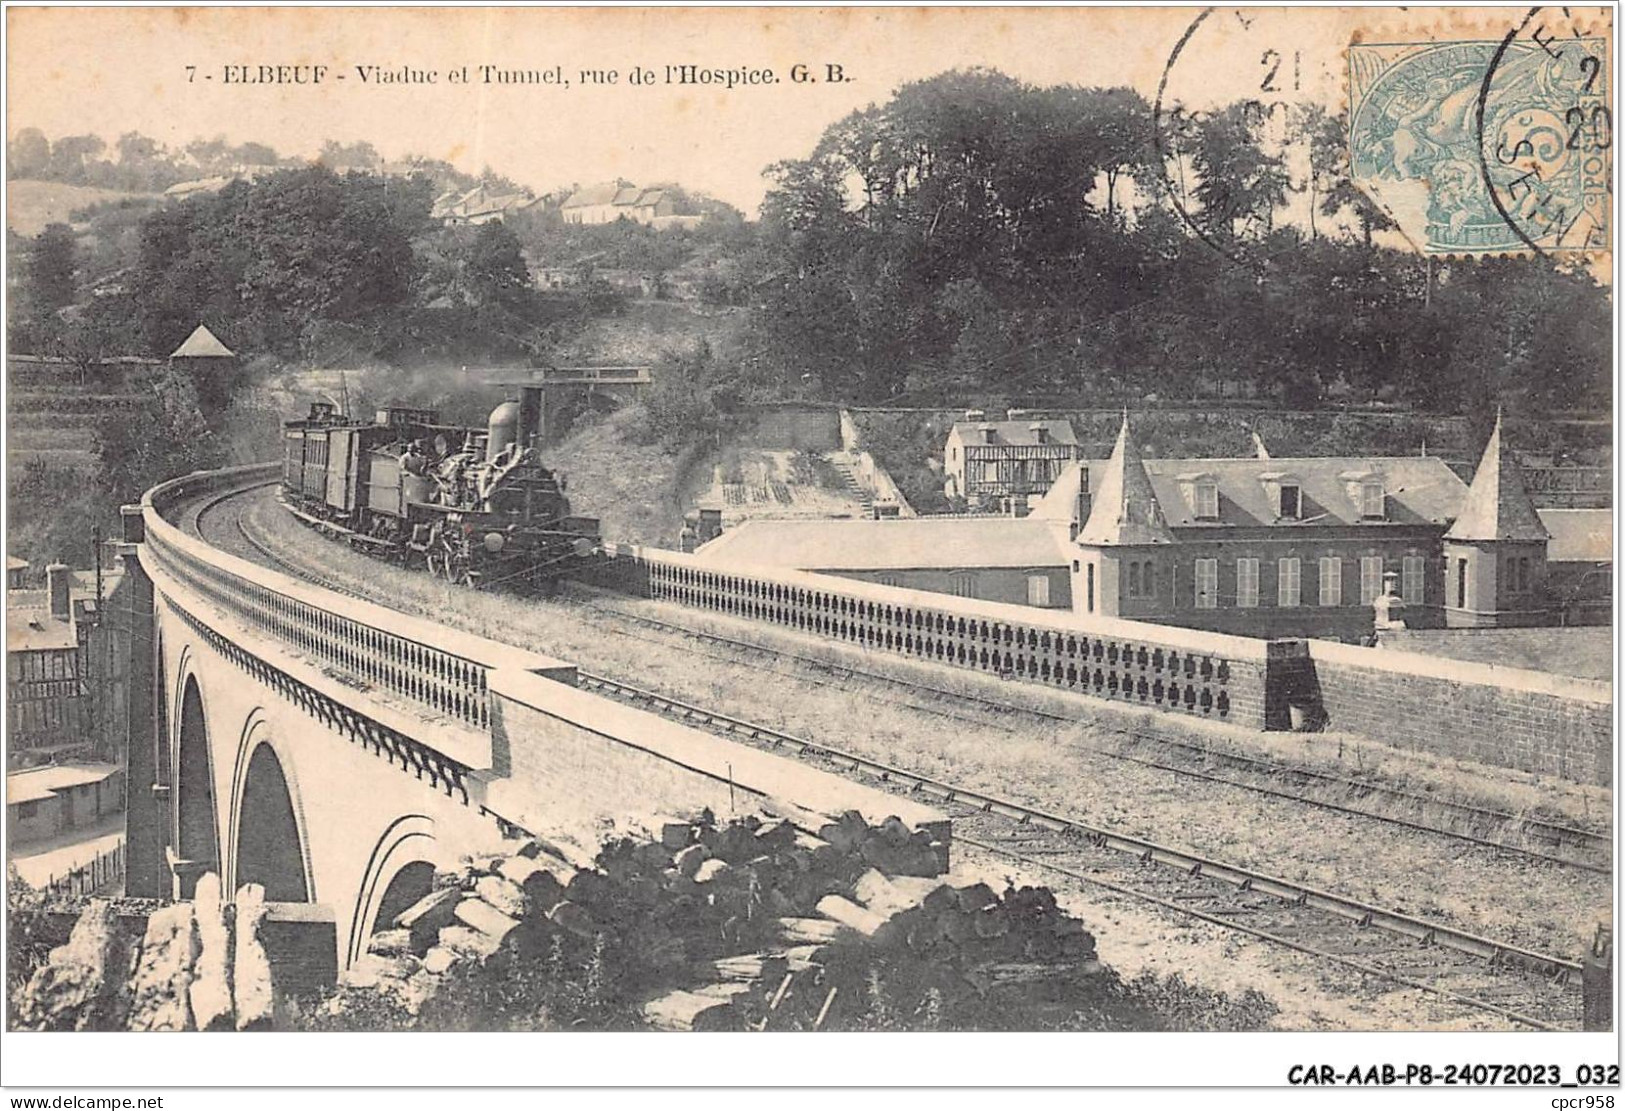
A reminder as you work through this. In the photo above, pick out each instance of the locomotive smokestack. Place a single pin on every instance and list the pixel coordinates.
(531, 413)
(502, 430)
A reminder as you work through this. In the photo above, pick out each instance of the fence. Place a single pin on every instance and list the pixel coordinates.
(91, 878)
(429, 666)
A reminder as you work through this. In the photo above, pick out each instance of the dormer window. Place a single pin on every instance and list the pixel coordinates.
(1285, 491)
(1207, 500)
(1290, 500)
(1365, 490)
(1373, 502)
(1200, 490)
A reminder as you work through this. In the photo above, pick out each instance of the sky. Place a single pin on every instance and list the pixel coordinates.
(109, 71)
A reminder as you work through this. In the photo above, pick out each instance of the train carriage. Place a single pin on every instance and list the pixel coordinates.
(472, 505)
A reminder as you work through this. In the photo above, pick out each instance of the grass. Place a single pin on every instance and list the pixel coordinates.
(634, 489)
(31, 205)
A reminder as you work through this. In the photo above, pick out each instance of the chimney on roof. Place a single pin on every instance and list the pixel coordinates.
(974, 414)
(57, 578)
(987, 433)
(1040, 431)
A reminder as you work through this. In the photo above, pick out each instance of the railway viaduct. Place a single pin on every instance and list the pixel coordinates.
(338, 752)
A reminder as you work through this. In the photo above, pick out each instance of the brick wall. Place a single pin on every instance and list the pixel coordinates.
(1528, 720)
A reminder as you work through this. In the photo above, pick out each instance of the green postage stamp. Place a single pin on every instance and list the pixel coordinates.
(1489, 146)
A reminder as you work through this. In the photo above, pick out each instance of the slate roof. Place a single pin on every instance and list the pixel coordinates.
(1420, 489)
(30, 629)
(1125, 507)
(921, 543)
(1015, 432)
(41, 783)
(1579, 535)
(15, 564)
(201, 344)
(1497, 506)
(602, 193)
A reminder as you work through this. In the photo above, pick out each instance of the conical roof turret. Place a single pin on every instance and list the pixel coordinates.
(202, 344)
(1125, 509)
(1497, 506)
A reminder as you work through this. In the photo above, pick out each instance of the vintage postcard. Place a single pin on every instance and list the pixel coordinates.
(1081, 521)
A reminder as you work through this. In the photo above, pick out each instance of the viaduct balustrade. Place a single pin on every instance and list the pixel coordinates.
(1159, 667)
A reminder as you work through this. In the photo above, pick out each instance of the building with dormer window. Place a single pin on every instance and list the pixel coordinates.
(1256, 546)
(1301, 547)
(1005, 465)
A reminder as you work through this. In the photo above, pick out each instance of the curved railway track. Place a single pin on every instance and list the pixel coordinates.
(1480, 974)
(1532, 989)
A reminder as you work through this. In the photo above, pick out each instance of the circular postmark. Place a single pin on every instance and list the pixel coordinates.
(1544, 134)
(1253, 77)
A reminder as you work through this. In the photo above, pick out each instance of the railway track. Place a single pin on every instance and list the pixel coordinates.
(1476, 973)
(1528, 988)
(1588, 850)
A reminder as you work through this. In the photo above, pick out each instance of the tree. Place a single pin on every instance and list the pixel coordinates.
(72, 155)
(257, 154)
(1240, 186)
(51, 265)
(1331, 189)
(496, 269)
(165, 436)
(349, 156)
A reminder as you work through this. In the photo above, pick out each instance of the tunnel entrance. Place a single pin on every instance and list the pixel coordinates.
(268, 849)
(198, 842)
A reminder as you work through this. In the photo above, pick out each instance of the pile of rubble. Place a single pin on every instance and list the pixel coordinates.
(198, 965)
(755, 924)
(786, 921)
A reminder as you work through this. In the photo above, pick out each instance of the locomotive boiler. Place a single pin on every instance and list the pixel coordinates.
(473, 506)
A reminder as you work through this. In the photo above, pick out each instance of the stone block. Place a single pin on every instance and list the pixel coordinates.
(84, 983)
(210, 990)
(503, 894)
(158, 991)
(425, 918)
(485, 919)
(253, 993)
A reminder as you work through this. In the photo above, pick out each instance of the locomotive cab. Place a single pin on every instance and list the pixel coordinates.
(473, 504)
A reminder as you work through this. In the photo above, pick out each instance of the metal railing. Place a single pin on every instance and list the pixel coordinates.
(387, 650)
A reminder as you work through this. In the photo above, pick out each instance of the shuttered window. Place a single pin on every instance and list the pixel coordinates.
(1412, 568)
(1247, 582)
(1207, 584)
(1289, 589)
(1038, 590)
(1370, 579)
(1331, 581)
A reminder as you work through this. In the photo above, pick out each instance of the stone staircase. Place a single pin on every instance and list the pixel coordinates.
(854, 486)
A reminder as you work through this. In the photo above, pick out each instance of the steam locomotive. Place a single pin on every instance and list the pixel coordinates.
(474, 506)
